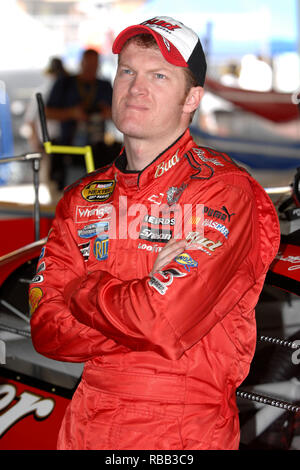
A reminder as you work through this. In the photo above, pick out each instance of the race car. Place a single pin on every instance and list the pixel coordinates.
(34, 390)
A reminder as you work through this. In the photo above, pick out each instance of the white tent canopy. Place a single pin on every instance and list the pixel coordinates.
(25, 42)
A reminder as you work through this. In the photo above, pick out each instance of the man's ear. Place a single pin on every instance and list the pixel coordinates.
(193, 99)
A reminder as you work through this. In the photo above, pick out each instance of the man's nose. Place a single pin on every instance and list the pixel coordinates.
(138, 85)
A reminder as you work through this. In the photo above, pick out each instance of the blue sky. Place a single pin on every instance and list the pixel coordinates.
(283, 13)
(237, 25)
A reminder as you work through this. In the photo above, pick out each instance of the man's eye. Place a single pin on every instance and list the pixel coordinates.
(160, 76)
(126, 71)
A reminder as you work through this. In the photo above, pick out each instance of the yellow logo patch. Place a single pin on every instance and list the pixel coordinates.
(35, 296)
(98, 191)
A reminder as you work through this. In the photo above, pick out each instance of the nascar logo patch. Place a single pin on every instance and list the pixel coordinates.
(98, 191)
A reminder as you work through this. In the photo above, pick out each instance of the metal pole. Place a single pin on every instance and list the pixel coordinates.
(36, 214)
(266, 400)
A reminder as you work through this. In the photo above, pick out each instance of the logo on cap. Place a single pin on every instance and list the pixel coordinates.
(162, 23)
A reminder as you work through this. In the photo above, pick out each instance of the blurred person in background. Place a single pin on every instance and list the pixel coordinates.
(82, 105)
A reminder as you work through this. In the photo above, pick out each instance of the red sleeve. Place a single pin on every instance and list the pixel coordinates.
(55, 331)
(172, 311)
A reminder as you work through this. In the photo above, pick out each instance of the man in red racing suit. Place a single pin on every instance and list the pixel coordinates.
(165, 345)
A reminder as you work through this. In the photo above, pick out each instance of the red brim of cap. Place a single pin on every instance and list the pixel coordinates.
(168, 50)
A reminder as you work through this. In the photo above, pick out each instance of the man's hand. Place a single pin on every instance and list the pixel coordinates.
(172, 249)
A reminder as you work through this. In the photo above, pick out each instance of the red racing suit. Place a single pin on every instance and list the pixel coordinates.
(163, 353)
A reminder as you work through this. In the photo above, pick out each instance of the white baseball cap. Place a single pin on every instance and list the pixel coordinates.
(178, 44)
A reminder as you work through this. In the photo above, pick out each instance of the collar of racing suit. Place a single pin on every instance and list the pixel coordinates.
(167, 158)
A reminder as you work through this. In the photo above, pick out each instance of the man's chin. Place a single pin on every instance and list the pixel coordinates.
(132, 131)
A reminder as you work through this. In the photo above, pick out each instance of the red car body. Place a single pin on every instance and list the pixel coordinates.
(34, 392)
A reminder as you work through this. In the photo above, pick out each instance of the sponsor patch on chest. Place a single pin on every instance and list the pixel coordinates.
(155, 234)
(98, 191)
(84, 214)
(92, 230)
(101, 248)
